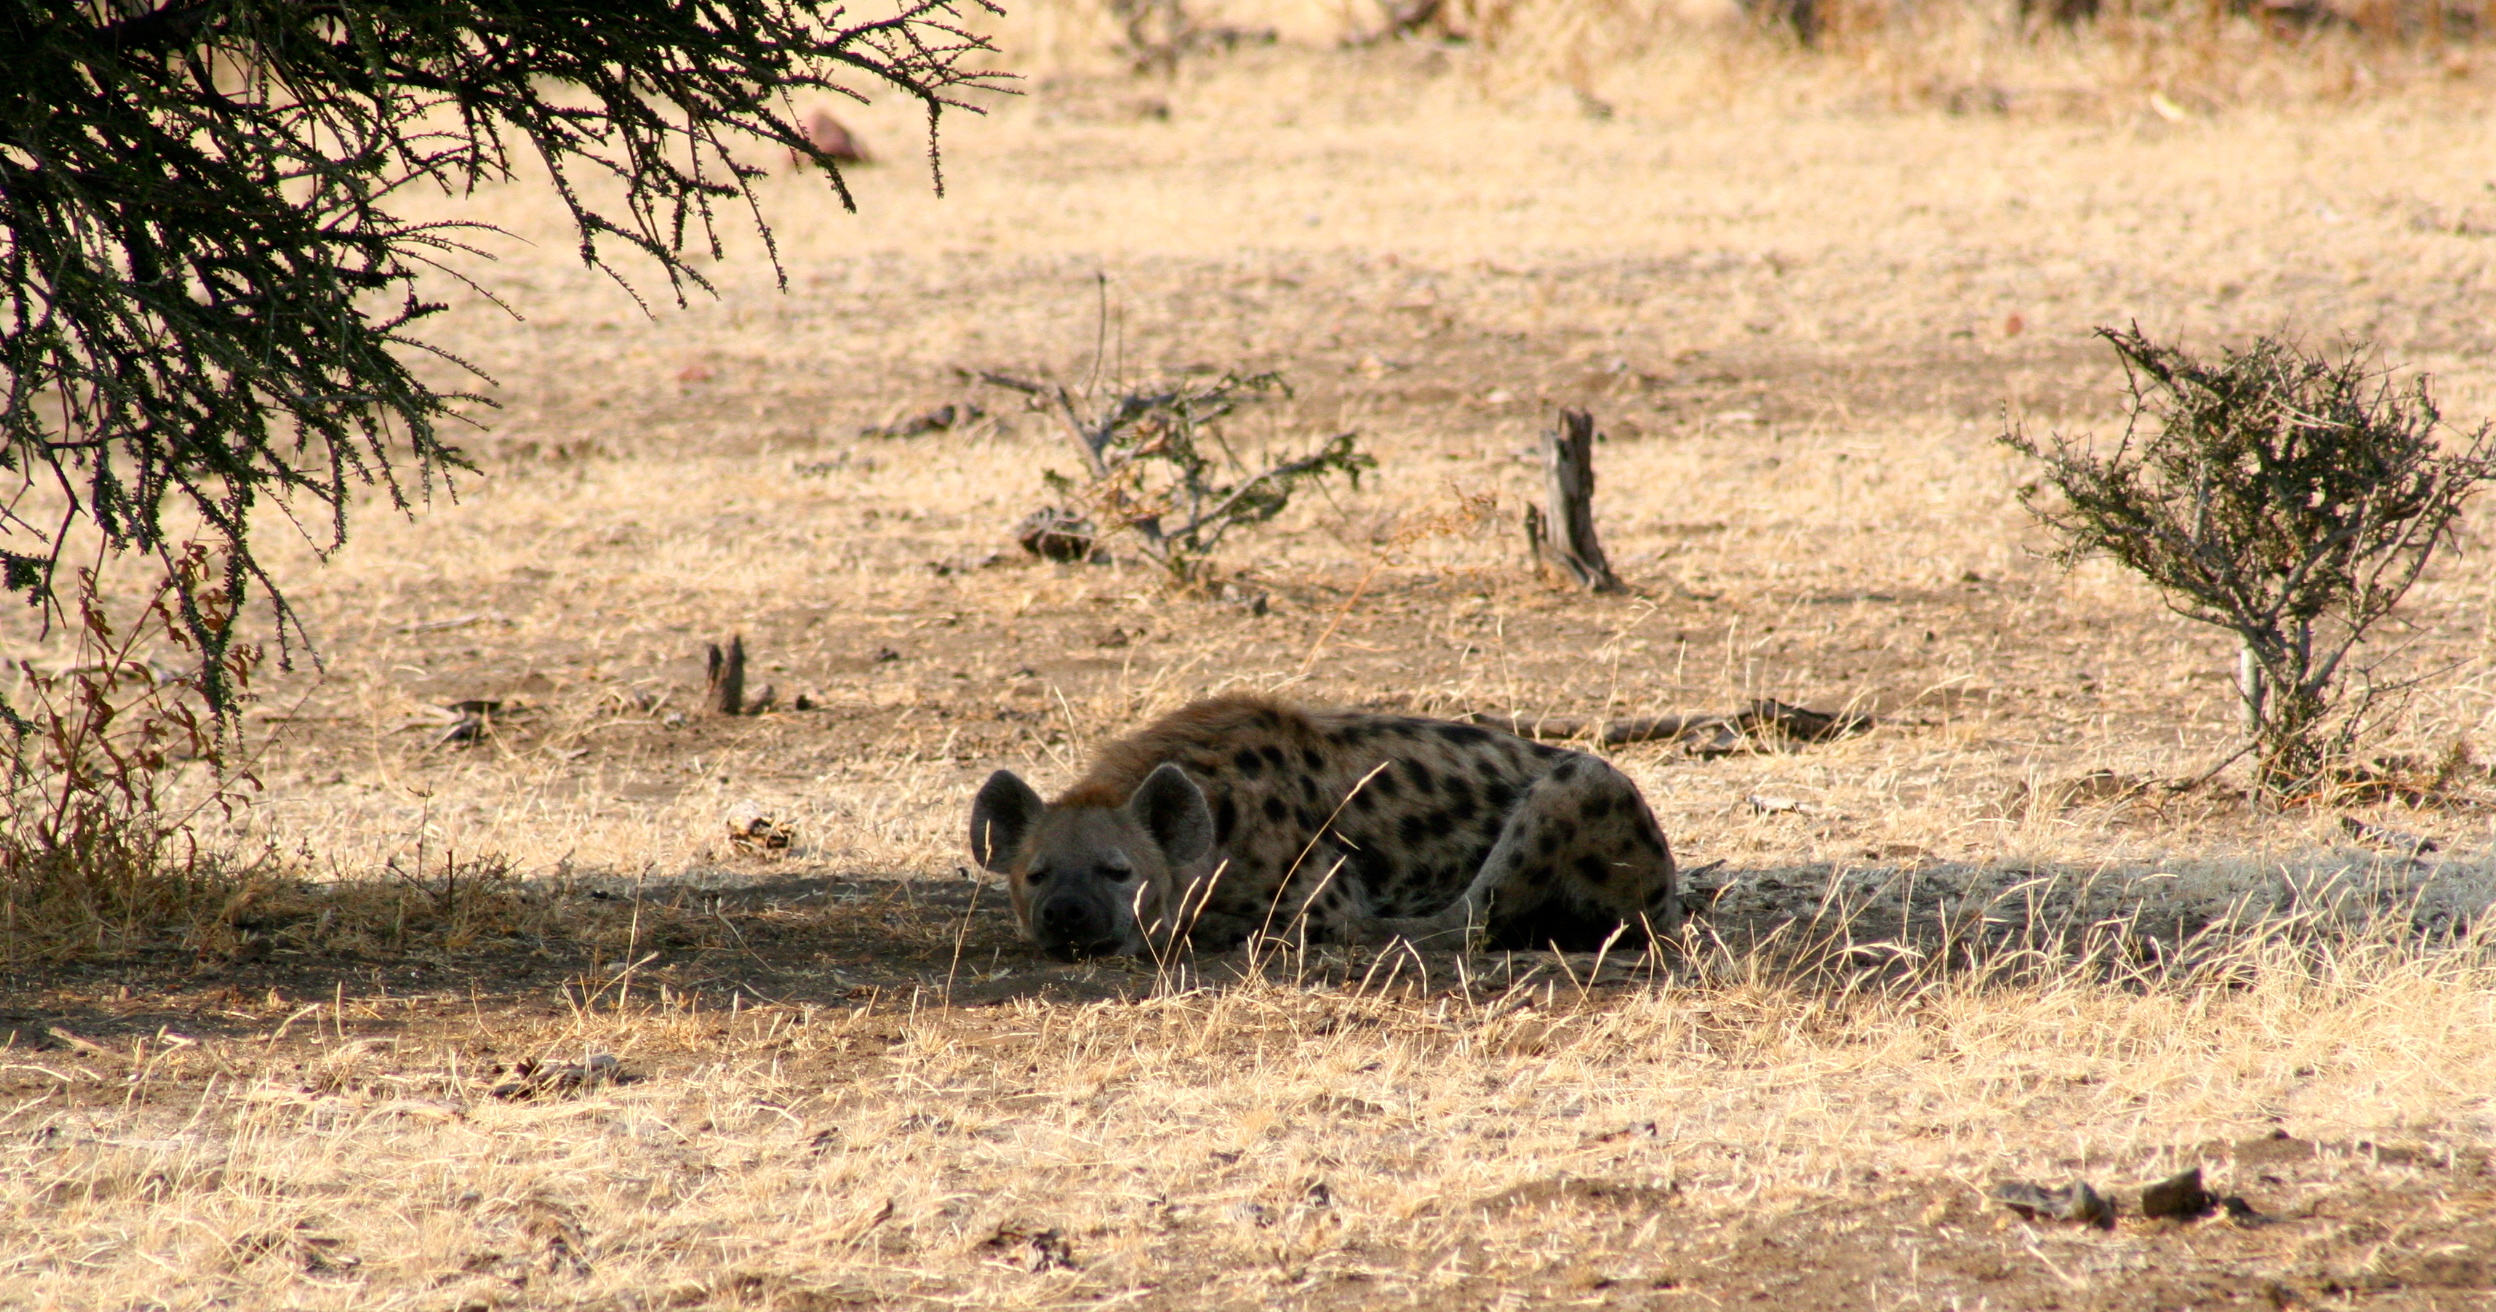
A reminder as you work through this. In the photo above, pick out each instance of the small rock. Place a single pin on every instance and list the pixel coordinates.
(461, 732)
(2179, 1196)
(2407, 844)
(1054, 534)
(943, 418)
(1246, 599)
(1035, 1250)
(535, 1079)
(750, 830)
(2075, 1202)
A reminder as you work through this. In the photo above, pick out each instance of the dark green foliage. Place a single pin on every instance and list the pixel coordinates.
(2289, 499)
(206, 300)
(1157, 465)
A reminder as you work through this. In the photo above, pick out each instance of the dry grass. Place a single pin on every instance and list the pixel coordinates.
(1263, 1144)
(2172, 62)
(1800, 325)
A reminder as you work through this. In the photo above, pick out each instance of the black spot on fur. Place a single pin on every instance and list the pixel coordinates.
(1308, 787)
(1594, 869)
(1539, 876)
(1463, 735)
(1544, 751)
(1313, 758)
(1419, 776)
(1598, 807)
(1308, 818)
(1374, 866)
(1382, 784)
(1414, 829)
(1563, 772)
(1248, 763)
(1365, 801)
(1265, 718)
(1225, 819)
(1549, 842)
(1275, 810)
(1459, 791)
(1499, 798)
(1274, 756)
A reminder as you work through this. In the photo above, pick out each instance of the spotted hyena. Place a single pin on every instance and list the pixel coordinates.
(1240, 816)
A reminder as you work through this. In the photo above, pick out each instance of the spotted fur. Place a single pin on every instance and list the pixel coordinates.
(1240, 816)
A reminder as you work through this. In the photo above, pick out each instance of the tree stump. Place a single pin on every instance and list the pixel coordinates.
(1563, 539)
(725, 693)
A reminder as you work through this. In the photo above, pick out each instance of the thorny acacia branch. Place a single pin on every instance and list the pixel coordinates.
(207, 294)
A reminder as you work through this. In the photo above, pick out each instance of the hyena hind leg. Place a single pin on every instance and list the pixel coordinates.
(1579, 861)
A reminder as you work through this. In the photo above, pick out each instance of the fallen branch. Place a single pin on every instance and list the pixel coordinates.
(1763, 725)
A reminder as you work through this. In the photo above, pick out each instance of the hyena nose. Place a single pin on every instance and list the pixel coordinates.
(1071, 921)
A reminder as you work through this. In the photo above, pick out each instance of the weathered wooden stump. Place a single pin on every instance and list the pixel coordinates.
(725, 692)
(1563, 538)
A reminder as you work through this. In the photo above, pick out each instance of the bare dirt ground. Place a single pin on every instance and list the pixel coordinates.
(845, 1082)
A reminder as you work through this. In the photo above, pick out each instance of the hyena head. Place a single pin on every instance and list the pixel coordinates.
(1092, 877)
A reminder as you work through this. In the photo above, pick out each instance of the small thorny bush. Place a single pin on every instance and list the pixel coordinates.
(2287, 498)
(1158, 465)
(94, 852)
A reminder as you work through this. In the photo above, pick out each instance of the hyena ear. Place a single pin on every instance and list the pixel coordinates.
(1001, 818)
(1172, 809)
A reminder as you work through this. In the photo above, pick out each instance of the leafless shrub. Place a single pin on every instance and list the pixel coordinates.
(1156, 464)
(2289, 499)
(94, 857)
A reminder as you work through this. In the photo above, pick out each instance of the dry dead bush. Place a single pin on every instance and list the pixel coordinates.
(96, 853)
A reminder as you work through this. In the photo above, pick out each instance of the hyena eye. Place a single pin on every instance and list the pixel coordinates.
(1036, 874)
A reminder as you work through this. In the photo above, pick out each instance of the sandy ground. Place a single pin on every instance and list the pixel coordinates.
(1801, 329)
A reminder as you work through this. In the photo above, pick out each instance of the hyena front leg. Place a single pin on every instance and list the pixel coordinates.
(1321, 901)
(1578, 859)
